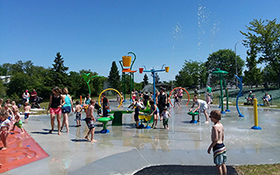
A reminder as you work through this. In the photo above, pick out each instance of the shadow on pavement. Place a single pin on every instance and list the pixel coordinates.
(182, 169)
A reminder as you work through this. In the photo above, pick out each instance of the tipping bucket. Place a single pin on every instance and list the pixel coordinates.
(141, 117)
(167, 69)
(126, 61)
(141, 70)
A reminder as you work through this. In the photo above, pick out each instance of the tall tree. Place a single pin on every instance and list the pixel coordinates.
(2, 89)
(191, 74)
(145, 80)
(114, 76)
(266, 37)
(224, 59)
(269, 75)
(59, 72)
(253, 75)
(157, 78)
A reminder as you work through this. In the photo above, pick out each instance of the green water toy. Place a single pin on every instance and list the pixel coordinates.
(105, 120)
(193, 114)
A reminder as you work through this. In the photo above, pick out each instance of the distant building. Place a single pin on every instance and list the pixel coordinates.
(6, 79)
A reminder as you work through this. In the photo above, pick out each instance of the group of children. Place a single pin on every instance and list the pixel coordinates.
(10, 118)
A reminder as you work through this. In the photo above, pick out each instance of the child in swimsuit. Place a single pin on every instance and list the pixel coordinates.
(217, 136)
(90, 121)
(14, 107)
(18, 121)
(78, 111)
(155, 113)
(5, 127)
(26, 112)
(201, 107)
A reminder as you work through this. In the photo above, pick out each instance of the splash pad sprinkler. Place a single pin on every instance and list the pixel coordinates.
(87, 78)
(153, 71)
(126, 65)
(240, 86)
(221, 74)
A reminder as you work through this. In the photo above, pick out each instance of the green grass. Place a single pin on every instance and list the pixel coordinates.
(267, 169)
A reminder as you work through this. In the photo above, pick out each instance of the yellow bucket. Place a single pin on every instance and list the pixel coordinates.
(148, 117)
(141, 117)
(167, 69)
(126, 61)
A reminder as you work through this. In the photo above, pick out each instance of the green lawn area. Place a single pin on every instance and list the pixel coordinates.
(267, 169)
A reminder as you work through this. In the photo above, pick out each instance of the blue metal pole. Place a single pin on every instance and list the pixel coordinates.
(154, 85)
(239, 94)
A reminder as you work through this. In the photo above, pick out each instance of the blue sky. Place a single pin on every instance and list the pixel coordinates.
(90, 34)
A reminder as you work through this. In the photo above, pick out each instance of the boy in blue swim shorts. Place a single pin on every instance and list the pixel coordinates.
(217, 137)
(90, 121)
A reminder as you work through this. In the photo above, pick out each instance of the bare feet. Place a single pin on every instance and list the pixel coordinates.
(59, 133)
(93, 141)
(86, 137)
(50, 131)
(206, 122)
(4, 148)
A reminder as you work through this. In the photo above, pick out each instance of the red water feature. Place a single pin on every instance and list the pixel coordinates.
(22, 149)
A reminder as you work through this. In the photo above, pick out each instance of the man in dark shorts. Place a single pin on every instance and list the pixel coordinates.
(162, 101)
(105, 102)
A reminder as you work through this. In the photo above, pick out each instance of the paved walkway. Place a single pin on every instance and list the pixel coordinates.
(126, 150)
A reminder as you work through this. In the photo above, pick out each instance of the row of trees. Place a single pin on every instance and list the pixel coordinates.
(24, 75)
(196, 73)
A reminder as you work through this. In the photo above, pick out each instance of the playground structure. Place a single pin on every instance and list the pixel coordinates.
(153, 71)
(221, 74)
(240, 86)
(182, 89)
(105, 121)
(193, 114)
(126, 65)
(108, 89)
(148, 118)
(87, 79)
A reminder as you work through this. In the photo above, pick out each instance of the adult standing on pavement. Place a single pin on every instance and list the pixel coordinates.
(55, 108)
(67, 106)
(105, 102)
(33, 97)
(25, 96)
(162, 101)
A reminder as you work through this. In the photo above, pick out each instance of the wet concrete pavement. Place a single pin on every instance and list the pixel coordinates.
(126, 150)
